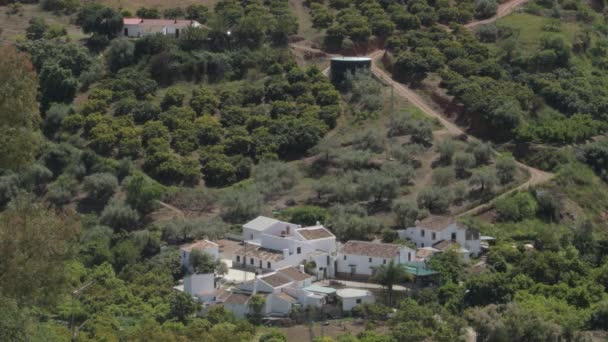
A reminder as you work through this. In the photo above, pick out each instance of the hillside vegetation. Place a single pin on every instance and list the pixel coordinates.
(116, 151)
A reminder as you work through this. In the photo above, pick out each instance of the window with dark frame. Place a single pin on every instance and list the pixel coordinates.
(268, 264)
(299, 250)
(422, 232)
(370, 259)
(251, 261)
(238, 258)
(434, 236)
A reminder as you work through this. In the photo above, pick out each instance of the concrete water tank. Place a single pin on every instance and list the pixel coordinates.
(341, 65)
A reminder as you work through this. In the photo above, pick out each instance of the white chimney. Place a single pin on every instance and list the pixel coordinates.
(255, 285)
(285, 253)
(318, 223)
(301, 267)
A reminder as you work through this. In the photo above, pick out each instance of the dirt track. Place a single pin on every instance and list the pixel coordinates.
(503, 10)
(536, 176)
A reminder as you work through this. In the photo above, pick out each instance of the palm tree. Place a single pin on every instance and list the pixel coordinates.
(390, 274)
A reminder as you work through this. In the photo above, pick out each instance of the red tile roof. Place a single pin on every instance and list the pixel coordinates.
(157, 22)
(437, 223)
(372, 249)
(314, 233)
(276, 279)
(237, 298)
(294, 273)
(200, 244)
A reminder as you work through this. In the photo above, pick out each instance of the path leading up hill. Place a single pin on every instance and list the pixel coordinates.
(536, 176)
(503, 10)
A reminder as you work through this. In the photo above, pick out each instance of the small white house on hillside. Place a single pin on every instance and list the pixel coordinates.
(443, 233)
(362, 258)
(282, 289)
(203, 286)
(350, 298)
(205, 246)
(139, 27)
(271, 244)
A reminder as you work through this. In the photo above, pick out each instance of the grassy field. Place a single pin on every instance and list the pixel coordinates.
(531, 28)
(133, 5)
(13, 26)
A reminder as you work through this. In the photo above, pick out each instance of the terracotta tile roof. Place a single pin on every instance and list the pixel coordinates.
(200, 244)
(287, 298)
(372, 249)
(445, 244)
(258, 252)
(294, 273)
(276, 279)
(158, 22)
(237, 298)
(437, 223)
(424, 253)
(314, 233)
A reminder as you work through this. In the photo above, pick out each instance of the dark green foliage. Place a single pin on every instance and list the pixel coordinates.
(119, 216)
(100, 186)
(520, 206)
(36, 29)
(97, 19)
(143, 193)
(120, 54)
(434, 199)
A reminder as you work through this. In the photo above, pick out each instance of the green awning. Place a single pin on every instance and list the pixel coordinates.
(320, 289)
(418, 271)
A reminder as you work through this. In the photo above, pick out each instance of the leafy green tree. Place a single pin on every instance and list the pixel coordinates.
(57, 84)
(197, 12)
(449, 265)
(406, 213)
(18, 110)
(36, 29)
(119, 216)
(485, 8)
(240, 205)
(307, 215)
(274, 177)
(173, 97)
(143, 193)
(390, 274)
(463, 162)
(273, 335)
(515, 208)
(181, 306)
(256, 305)
(100, 186)
(97, 19)
(436, 200)
(120, 54)
(25, 226)
(202, 262)
(204, 101)
(484, 179)
(322, 18)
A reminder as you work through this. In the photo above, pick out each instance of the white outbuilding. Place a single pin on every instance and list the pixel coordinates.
(353, 297)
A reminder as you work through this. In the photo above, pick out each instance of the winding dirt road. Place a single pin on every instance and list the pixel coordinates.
(503, 10)
(536, 176)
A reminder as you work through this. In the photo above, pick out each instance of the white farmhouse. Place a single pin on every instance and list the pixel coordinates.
(205, 246)
(271, 244)
(362, 258)
(138, 27)
(443, 233)
(204, 286)
(282, 289)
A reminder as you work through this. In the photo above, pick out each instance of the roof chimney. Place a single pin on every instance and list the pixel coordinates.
(255, 285)
(285, 253)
